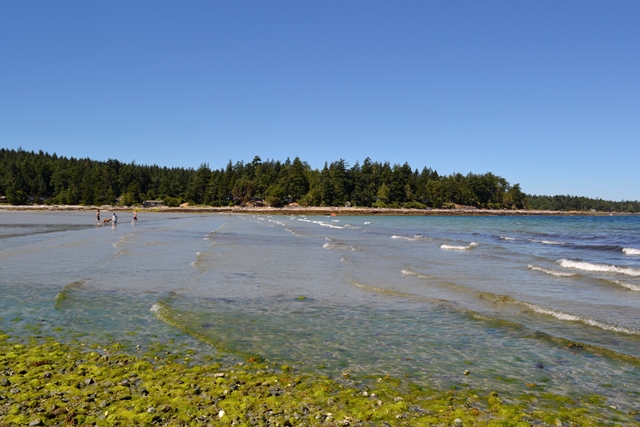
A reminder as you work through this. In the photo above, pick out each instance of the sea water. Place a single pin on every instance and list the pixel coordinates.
(514, 300)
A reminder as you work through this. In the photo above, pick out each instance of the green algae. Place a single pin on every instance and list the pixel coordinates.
(44, 382)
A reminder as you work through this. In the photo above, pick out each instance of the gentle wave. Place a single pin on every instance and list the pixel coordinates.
(200, 261)
(551, 272)
(337, 246)
(507, 238)
(575, 318)
(506, 299)
(408, 272)
(565, 342)
(631, 251)
(210, 236)
(599, 268)
(332, 244)
(459, 248)
(291, 231)
(386, 291)
(322, 224)
(630, 286)
(548, 242)
(67, 290)
(120, 252)
(411, 239)
(122, 240)
(168, 316)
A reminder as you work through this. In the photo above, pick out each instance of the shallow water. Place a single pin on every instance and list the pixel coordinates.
(553, 301)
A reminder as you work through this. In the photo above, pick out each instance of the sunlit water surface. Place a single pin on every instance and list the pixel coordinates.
(553, 301)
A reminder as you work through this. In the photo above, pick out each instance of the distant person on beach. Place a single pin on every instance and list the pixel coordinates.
(98, 215)
(114, 219)
(135, 216)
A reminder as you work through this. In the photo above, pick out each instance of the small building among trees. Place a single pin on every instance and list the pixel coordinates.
(153, 203)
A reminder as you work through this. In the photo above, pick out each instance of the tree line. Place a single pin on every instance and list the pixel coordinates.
(42, 178)
(578, 203)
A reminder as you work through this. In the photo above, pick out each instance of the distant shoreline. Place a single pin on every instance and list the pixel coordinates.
(300, 210)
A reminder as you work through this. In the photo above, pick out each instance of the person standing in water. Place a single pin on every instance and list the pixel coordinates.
(114, 219)
(135, 216)
(98, 215)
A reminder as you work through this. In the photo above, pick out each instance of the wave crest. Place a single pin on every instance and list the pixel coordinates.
(630, 286)
(575, 318)
(599, 268)
(459, 248)
(550, 272)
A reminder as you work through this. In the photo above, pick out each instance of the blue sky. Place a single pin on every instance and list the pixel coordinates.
(543, 93)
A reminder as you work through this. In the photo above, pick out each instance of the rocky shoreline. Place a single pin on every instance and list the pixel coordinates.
(301, 210)
(44, 382)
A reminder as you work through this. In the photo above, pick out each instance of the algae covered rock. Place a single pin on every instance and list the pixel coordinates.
(51, 383)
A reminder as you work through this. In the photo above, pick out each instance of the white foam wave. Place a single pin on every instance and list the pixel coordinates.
(575, 318)
(548, 242)
(324, 224)
(630, 286)
(508, 238)
(599, 268)
(200, 260)
(631, 251)
(408, 272)
(459, 248)
(411, 239)
(551, 272)
(338, 246)
(155, 308)
(291, 231)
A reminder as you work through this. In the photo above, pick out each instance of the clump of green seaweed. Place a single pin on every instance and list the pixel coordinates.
(45, 382)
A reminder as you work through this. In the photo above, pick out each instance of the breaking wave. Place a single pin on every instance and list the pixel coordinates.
(551, 272)
(575, 318)
(631, 251)
(408, 272)
(459, 248)
(200, 262)
(412, 239)
(599, 268)
(334, 245)
(627, 285)
(548, 242)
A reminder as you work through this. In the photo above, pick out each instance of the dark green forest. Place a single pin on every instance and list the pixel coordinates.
(42, 178)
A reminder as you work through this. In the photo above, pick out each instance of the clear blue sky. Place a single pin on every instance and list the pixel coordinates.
(543, 93)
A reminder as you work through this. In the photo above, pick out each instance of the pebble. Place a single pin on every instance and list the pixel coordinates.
(221, 413)
(457, 422)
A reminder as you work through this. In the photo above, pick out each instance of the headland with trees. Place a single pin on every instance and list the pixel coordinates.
(27, 177)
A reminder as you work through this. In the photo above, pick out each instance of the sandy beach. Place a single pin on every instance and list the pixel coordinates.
(310, 210)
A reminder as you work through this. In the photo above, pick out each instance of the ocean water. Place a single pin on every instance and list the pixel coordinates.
(552, 301)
